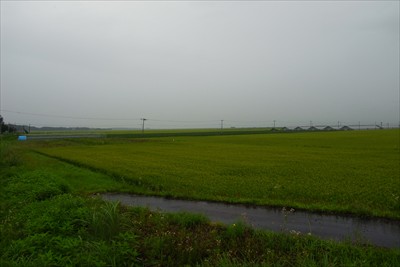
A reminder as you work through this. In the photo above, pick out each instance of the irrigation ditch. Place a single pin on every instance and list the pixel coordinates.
(373, 231)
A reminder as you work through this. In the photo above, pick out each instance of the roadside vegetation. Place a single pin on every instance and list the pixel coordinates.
(50, 215)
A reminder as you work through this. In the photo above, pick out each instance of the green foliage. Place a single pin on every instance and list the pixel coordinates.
(6, 127)
(237, 230)
(48, 250)
(187, 220)
(63, 214)
(105, 222)
(43, 225)
(9, 157)
(36, 185)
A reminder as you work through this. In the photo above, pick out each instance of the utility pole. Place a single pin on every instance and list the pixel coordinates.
(222, 125)
(143, 119)
(310, 123)
(274, 123)
(338, 124)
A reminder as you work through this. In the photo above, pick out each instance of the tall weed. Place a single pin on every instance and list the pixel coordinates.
(9, 156)
(105, 222)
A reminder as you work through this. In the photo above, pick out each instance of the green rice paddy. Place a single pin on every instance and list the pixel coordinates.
(49, 216)
(353, 172)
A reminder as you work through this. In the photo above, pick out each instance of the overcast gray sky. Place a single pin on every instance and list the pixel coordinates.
(194, 63)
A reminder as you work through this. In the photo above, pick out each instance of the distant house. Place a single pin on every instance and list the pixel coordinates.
(312, 128)
(298, 128)
(346, 128)
(285, 129)
(328, 128)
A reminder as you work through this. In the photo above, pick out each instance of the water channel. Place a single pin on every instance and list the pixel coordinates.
(379, 232)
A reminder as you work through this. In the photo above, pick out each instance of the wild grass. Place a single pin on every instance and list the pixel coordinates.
(346, 172)
(43, 224)
(105, 221)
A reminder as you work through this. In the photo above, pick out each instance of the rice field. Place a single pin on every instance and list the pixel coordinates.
(50, 217)
(354, 172)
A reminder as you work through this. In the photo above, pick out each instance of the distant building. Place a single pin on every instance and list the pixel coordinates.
(298, 128)
(312, 128)
(346, 128)
(328, 128)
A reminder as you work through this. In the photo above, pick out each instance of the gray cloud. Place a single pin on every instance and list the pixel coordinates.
(245, 62)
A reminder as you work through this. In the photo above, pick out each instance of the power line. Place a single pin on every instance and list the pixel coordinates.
(110, 119)
(67, 117)
(193, 123)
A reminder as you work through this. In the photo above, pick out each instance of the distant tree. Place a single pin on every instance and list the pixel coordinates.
(12, 129)
(6, 128)
(2, 125)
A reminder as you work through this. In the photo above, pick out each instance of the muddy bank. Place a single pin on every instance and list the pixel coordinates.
(378, 232)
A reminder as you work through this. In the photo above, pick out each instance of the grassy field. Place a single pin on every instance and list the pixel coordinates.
(136, 134)
(347, 172)
(49, 218)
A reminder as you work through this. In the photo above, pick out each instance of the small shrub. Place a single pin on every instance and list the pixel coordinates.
(187, 220)
(237, 230)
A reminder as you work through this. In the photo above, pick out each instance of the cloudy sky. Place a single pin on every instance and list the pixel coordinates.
(194, 63)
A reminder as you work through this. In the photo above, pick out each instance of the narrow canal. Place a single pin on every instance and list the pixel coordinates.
(379, 232)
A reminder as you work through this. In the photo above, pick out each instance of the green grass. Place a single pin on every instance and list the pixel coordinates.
(186, 132)
(80, 180)
(47, 219)
(44, 224)
(150, 132)
(347, 172)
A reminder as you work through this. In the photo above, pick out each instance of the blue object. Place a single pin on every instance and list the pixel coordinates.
(22, 138)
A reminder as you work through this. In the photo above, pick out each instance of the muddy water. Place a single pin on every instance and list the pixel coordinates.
(378, 232)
